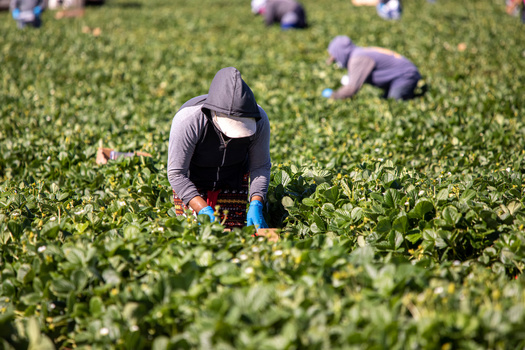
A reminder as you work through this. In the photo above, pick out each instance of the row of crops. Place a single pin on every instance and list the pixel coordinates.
(402, 223)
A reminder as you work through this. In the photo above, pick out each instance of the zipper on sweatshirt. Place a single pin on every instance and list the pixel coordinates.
(225, 142)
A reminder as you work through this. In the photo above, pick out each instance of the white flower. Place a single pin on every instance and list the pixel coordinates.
(243, 257)
(508, 170)
(235, 261)
(134, 328)
(278, 253)
(255, 249)
(438, 290)
(248, 270)
(52, 218)
(421, 193)
(104, 331)
(41, 249)
(456, 263)
(380, 159)
(80, 212)
(407, 203)
(121, 203)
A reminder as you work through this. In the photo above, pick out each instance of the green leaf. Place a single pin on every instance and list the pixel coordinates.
(287, 202)
(310, 202)
(422, 207)
(396, 239)
(357, 214)
(413, 238)
(74, 255)
(61, 286)
(442, 195)
(54, 188)
(319, 222)
(111, 276)
(391, 198)
(467, 195)
(15, 228)
(514, 207)
(205, 258)
(383, 225)
(81, 227)
(50, 229)
(80, 279)
(451, 215)
(400, 223)
(25, 274)
(96, 306)
(160, 343)
(131, 232)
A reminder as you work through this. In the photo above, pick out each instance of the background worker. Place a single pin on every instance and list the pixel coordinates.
(27, 12)
(389, 9)
(383, 68)
(216, 142)
(288, 13)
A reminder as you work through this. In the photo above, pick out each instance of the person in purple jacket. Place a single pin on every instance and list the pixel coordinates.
(288, 13)
(218, 142)
(27, 12)
(385, 69)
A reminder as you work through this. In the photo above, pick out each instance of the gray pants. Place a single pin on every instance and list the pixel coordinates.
(37, 23)
(403, 87)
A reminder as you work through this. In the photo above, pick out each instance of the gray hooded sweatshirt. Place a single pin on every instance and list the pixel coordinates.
(373, 65)
(201, 157)
(276, 9)
(26, 5)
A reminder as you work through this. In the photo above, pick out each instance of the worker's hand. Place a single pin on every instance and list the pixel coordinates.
(37, 10)
(327, 93)
(16, 13)
(255, 215)
(208, 211)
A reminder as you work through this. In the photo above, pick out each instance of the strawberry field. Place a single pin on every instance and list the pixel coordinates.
(402, 224)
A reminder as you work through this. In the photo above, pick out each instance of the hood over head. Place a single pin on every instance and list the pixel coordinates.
(340, 48)
(231, 98)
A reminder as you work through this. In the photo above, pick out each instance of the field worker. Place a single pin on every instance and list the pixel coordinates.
(385, 69)
(288, 13)
(513, 8)
(217, 142)
(27, 12)
(389, 9)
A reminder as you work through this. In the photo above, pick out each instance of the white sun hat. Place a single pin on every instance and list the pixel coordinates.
(234, 127)
(257, 5)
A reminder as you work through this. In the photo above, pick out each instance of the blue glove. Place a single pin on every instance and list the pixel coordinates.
(37, 10)
(16, 13)
(255, 215)
(327, 93)
(207, 211)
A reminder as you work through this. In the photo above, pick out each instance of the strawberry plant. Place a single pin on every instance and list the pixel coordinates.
(401, 223)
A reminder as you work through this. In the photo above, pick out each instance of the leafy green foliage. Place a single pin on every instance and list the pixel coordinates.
(402, 224)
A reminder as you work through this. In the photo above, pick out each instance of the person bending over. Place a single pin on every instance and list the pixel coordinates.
(217, 143)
